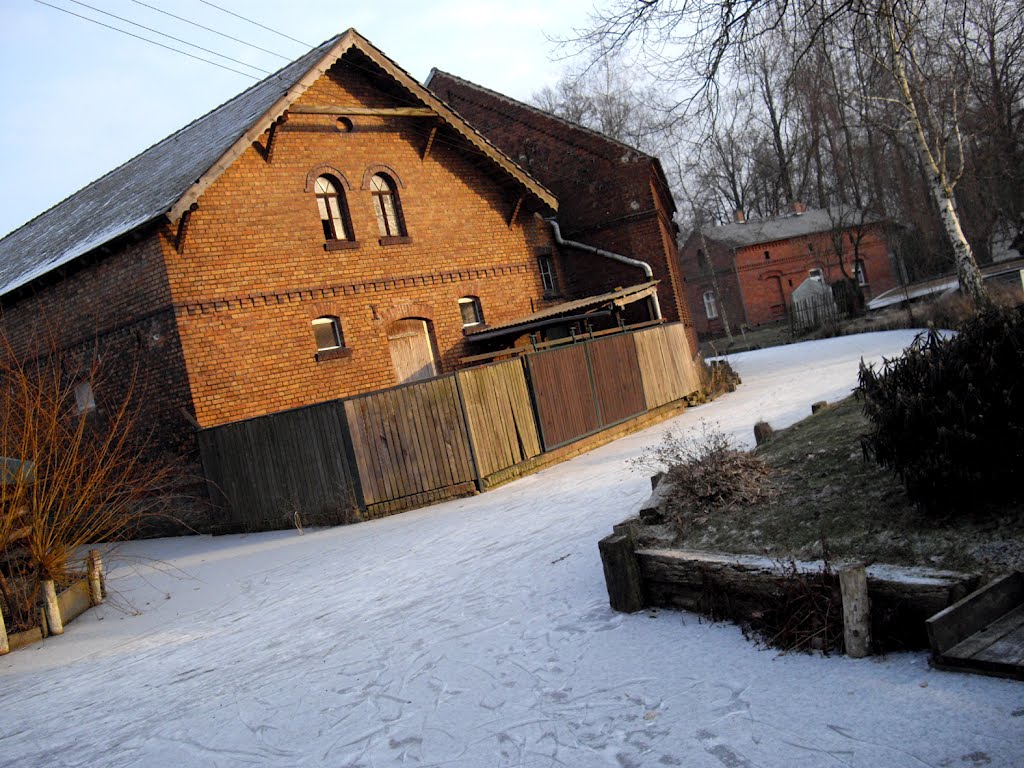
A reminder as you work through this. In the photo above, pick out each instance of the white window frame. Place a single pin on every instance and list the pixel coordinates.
(859, 273)
(710, 305)
(478, 313)
(546, 265)
(335, 326)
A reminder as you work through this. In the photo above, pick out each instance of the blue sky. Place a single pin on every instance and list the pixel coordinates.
(81, 99)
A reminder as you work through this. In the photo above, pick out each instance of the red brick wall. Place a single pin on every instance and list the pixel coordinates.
(253, 273)
(756, 290)
(610, 195)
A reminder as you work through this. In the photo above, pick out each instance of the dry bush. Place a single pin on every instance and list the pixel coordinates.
(707, 473)
(805, 612)
(89, 478)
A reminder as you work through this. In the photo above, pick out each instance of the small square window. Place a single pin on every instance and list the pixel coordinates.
(815, 274)
(469, 306)
(327, 332)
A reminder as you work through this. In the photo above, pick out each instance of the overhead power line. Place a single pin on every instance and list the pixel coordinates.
(209, 29)
(169, 37)
(250, 21)
(147, 40)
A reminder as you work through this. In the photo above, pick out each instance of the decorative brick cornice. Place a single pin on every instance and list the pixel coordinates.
(407, 309)
(325, 170)
(376, 168)
(321, 293)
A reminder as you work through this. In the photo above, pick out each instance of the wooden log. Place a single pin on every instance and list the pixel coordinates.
(621, 573)
(53, 619)
(819, 406)
(853, 584)
(655, 479)
(5, 646)
(959, 621)
(95, 564)
(762, 432)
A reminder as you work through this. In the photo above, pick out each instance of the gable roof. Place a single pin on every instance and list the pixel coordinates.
(812, 221)
(166, 179)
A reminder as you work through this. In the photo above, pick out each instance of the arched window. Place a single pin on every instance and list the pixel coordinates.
(386, 205)
(472, 314)
(333, 211)
(327, 332)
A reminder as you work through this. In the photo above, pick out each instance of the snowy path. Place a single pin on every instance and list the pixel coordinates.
(477, 633)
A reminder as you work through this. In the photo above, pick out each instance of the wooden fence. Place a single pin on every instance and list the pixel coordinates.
(377, 453)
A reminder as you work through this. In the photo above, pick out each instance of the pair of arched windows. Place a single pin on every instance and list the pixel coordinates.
(334, 215)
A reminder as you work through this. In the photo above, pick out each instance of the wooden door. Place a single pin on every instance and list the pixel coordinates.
(412, 352)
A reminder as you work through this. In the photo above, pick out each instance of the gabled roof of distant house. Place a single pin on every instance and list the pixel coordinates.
(585, 138)
(166, 179)
(810, 222)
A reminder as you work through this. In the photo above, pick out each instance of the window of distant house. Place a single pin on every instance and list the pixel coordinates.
(386, 206)
(547, 273)
(859, 273)
(710, 305)
(333, 210)
(469, 306)
(767, 256)
(815, 274)
(327, 332)
(85, 401)
(702, 261)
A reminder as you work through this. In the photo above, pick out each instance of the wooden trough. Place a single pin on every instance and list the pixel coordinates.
(983, 632)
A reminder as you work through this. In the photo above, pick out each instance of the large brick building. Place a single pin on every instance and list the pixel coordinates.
(745, 272)
(334, 229)
(610, 195)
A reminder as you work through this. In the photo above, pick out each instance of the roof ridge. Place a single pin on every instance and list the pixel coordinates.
(538, 111)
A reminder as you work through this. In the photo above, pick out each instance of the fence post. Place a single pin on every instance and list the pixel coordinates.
(5, 646)
(95, 563)
(469, 433)
(53, 618)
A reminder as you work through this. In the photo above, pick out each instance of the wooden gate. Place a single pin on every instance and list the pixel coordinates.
(666, 368)
(410, 441)
(563, 394)
(616, 373)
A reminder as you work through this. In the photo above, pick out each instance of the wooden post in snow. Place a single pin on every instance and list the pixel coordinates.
(853, 583)
(621, 573)
(53, 618)
(95, 563)
(5, 646)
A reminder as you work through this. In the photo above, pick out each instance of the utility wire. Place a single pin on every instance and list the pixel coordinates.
(208, 29)
(147, 40)
(169, 37)
(250, 21)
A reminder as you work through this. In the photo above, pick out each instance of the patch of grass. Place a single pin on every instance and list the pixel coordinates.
(832, 500)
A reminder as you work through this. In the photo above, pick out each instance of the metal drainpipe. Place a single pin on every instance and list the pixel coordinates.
(609, 255)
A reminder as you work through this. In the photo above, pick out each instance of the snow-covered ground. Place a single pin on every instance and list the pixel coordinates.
(477, 633)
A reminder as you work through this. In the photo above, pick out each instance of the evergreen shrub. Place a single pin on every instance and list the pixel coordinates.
(948, 416)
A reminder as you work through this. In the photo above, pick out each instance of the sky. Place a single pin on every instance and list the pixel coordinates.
(80, 99)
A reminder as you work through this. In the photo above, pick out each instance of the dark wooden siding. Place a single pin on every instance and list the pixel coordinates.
(563, 394)
(263, 471)
(617, 383)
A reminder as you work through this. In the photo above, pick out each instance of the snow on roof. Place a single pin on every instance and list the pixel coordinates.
(143, 188)
(812, 221)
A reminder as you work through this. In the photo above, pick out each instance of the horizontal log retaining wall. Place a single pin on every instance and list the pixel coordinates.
(902, 599)
(418, 443)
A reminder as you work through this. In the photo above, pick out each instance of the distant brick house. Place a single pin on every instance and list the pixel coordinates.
(334, 229)
(745, 272)
(610, 195)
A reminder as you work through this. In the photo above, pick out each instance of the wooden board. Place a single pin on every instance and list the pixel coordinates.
(666, 366)
(263, 470)
(617, 382)
(563, 395)
(409, 440)
(500, 415)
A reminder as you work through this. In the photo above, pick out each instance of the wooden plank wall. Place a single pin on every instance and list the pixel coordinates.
(410, 440)
(666, 368)
(500, 416)
(563, 394)
(617, 382)
(264, 470)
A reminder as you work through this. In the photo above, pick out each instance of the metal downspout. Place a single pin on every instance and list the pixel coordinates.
(609, 255)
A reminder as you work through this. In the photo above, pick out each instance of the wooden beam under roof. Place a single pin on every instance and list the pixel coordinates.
(365, 111)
